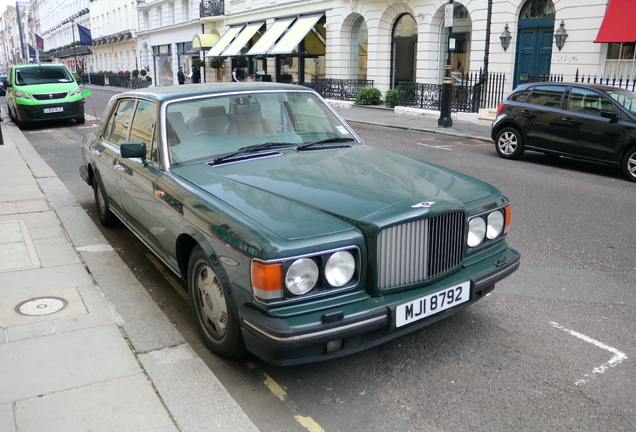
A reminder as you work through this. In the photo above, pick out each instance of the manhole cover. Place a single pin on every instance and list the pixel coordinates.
(41, 306)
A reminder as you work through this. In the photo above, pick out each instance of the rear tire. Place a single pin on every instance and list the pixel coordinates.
(215, 317)
(105, 215)
(509, 143)
(629, 164)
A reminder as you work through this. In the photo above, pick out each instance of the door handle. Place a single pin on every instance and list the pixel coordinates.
(96, 152)
(567, 120)
(120, 168)
(525, 113)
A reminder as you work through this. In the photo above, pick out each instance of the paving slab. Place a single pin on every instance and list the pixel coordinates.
(96, 314)
(37, 280)
(123, 405)
(7, 419)
(43, 365)
(17, 311)
(195, 396)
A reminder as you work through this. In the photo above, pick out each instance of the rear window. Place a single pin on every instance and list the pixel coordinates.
(42, 75)
(549, 96)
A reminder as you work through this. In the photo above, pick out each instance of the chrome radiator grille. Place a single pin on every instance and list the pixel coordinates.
(417, 251)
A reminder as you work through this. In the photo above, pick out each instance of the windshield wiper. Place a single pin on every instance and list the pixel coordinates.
(325, 141)
(266, 146)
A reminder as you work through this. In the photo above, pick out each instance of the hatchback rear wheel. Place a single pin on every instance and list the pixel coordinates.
(509, 143)
(629, 164)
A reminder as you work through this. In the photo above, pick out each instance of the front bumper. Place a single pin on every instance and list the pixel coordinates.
(35, 113)
(358, 326)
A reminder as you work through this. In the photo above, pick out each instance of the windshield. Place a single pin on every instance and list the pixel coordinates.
(624, 97)
(42, 75)
(205, 128)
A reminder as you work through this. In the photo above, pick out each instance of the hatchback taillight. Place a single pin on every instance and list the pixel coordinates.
(500, 107)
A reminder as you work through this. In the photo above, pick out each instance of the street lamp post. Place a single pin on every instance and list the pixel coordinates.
(445, 119)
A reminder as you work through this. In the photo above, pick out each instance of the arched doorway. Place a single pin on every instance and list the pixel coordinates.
(534, 40)
(461, 37)
(358, 49)
(404, 52)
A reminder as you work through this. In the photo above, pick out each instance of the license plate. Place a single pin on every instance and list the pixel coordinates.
(431, 304)
(52, 110)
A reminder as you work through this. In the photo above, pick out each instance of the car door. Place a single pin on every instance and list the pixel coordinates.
(106, 152)
(138, 176)
(590, 125)
(543, 113)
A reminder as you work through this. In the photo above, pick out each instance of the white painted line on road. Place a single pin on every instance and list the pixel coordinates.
(437, 147)
(614, 361)
(41, 131)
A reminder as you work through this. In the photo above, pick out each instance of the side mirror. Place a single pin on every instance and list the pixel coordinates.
(135, 149)
(5, 83)
(609, 115)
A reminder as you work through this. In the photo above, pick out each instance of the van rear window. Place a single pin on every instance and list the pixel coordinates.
(42, 75)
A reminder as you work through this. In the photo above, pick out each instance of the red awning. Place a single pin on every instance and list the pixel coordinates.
(618, 24)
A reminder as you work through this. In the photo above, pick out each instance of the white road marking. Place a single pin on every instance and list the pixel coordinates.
(442, 147)
(41, 131)
(614, 361)
(96, 248)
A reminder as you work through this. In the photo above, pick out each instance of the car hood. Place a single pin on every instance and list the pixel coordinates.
(335, 188)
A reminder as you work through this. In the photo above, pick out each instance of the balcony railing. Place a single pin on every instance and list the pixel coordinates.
(211, 8)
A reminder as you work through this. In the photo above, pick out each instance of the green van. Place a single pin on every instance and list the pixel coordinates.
(41, 92)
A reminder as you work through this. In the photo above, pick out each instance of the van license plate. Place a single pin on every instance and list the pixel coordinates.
(431, 304)
(52, 110)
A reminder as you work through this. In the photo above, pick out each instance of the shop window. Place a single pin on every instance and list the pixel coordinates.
(359, 50)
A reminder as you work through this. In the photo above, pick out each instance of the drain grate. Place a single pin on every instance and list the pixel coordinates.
(41, 306)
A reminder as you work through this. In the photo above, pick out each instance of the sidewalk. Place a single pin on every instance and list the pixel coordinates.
(414, 119)
(82, 345)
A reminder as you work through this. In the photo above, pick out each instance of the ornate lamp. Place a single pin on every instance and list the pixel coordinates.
(505, 38)
(560, 35)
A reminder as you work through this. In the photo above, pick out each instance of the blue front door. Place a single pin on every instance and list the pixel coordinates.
(534, 53)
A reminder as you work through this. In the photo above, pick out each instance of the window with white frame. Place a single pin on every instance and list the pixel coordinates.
(619, 62)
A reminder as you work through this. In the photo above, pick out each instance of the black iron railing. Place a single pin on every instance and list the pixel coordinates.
(425, 96)
(97, 79)
(211, 8)
(119, 80)
(532, 78)
(621, 82)
(339, 89)
(471, 92)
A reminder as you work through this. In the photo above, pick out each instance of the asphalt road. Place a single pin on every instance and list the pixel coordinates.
(552, 348)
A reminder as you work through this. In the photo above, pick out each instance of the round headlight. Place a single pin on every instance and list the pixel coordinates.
(476, 232)
(340, 268)
(495, 225)
(301, 276)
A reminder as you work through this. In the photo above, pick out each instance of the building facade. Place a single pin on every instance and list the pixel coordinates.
(388, 42)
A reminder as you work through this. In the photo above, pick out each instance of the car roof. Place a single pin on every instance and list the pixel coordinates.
(30, 65)
(167, 93)
(600, 87)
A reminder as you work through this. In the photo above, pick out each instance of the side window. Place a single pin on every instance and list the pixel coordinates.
(143, 127)
(586, 101)
(519, 96)
(119, 123)
(548, 96)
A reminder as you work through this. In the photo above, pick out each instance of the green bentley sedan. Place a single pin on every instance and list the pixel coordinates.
(297, 241)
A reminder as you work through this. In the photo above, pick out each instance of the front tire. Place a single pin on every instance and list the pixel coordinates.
(629, 164)
(214, 315)
(509, 143)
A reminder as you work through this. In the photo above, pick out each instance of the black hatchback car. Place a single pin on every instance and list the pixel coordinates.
(583, 121)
